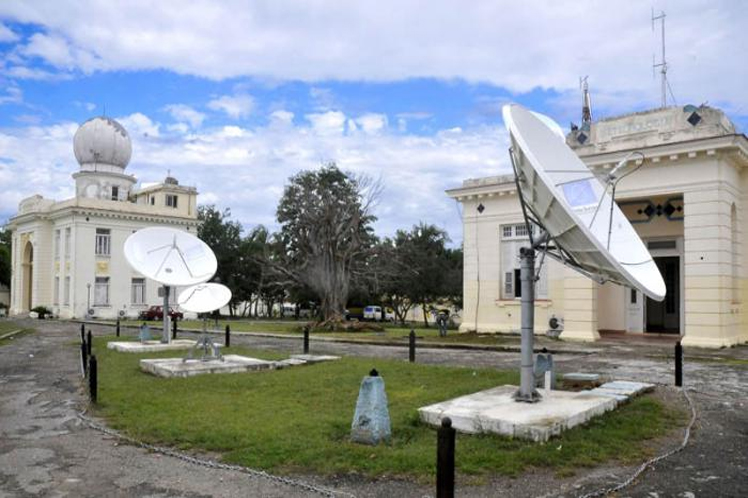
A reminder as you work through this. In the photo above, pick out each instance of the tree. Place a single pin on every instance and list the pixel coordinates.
(5, 257)
(326, 234)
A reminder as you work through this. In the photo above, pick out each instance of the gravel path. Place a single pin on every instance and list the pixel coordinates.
(45, 449)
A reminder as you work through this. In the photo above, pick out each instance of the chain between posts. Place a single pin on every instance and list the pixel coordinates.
(212, 464)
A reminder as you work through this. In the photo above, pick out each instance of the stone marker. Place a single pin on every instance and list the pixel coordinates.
(371, 422)
(543, 365)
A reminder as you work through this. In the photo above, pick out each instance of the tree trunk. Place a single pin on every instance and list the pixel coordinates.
(425, 315)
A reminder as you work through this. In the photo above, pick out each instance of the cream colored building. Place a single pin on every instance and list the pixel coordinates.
(68, 256)
(688, 202)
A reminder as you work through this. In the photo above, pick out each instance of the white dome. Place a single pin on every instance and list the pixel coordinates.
(102, 140)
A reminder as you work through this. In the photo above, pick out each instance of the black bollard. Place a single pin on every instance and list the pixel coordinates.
(412, 346)
(678, 364)
(306, 339)
(228, 336)
(174, 329)
(117, 327)
(84, 358)
(83, 333)
(93, 379)
(90, 342)
(445, 460)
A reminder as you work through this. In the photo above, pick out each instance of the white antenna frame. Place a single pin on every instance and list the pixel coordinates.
(663, 64)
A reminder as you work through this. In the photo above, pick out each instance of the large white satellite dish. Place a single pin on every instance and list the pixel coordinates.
(169, 256)
(586, 229)
(202, 298)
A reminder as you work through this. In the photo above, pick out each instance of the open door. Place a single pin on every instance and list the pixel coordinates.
(664, 317)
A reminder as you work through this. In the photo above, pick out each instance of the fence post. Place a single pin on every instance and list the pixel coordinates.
(678, 364)
(117, 327)
(174, 329)
(93, 378)
(306, 339)
(83, 333)
(412, 346)
(228, 336)
(84, 358)
(445, 460)
(90, 342)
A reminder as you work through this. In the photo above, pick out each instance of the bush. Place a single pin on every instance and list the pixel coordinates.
(42, 311)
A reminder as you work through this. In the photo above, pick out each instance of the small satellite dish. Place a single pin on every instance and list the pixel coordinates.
(202, 298)
(586, 230)
(170, 257)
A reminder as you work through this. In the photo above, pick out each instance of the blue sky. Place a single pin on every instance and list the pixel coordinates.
(235, 97)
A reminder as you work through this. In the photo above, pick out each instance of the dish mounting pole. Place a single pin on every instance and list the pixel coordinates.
(165, 335)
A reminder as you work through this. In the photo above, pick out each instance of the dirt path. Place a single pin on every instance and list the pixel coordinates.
(45, 450)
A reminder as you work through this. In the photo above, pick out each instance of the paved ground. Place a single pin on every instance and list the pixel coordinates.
(45, 450)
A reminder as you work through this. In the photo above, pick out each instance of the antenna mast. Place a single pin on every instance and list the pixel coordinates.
(663, 63)
(586, 103)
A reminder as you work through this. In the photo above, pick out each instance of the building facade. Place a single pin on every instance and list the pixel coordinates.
(68, 255)
(688, 201)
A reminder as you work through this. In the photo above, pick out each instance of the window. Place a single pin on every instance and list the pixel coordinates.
(171, 200)
(57, 245)
(103, 241)
(115, 193)
(56, 292)
(101, 291)
(67, 243)
(138, 291)
(66, 295)
(511, 285)
(153, 201)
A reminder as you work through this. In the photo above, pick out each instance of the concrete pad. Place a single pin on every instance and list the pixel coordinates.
(495, 411)
(290, 362)
(311, 358)
(627, 388)
(581, 377)
(176, 367)
(149, 346)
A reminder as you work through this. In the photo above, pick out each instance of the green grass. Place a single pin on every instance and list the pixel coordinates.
(298, 419)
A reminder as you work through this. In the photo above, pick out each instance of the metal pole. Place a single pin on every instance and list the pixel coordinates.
(527, 392)
(93, 380)
(83, 333)
(306, 339)
(228, 336)
(174, 329)
(412, 346)
(678, 364)
(117, 327)
(445, 460)
(84, 358)
(90, 343)
(165, 334)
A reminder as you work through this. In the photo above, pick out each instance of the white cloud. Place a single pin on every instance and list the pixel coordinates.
(281, 117)
(229, 162)
(236, 106)
(372, 124)
(6, 34)
(183, 113)
(13, 95)
(516, 45)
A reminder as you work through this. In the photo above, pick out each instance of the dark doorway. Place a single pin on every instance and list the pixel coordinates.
(664, 317)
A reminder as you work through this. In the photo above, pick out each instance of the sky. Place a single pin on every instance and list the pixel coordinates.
(235, 97)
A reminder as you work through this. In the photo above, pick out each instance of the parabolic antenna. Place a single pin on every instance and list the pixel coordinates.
(202, 298)
(169, 256)
(586, 230)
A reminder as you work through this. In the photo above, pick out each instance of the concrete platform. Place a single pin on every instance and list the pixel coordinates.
(314, 358)
(495, 411)
(176, 367)
(149, 346)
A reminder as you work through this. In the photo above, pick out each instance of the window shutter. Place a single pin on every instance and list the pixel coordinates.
(541, 288)
(509, 285)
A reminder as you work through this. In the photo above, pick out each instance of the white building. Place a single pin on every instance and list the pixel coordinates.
(688, 202)
(68, 256)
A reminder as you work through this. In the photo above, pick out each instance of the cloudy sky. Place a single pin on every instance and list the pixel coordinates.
(235, 97)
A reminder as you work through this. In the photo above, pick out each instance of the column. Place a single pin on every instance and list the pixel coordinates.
(580, 308)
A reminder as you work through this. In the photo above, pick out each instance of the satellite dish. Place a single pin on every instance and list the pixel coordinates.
(202, 298)
(586, 230)
(170, 257)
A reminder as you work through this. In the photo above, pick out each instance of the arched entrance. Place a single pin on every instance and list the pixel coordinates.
(28, 273)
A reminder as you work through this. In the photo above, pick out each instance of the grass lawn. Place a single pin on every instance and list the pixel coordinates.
(298, 419)
(9, 326)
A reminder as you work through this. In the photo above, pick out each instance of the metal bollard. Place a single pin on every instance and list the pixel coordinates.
(445, 460)
(90, 342)
(93, 379)
(306, 339)
(412, 346)
(174, 329)
(678, 364)
(83, 333)
(84, 358)
(117, 327)
(228, 337)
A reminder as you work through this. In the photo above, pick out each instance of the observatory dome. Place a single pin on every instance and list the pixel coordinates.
(102, 140)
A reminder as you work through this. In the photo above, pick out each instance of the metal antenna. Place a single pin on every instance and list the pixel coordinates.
(586, 102)
(663, 63)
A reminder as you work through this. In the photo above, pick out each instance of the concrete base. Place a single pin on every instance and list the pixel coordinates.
(495, 411)
(149, 346)
(176, 367)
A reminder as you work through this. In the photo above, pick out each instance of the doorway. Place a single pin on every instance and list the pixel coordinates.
(28, 275)
(664, 317)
